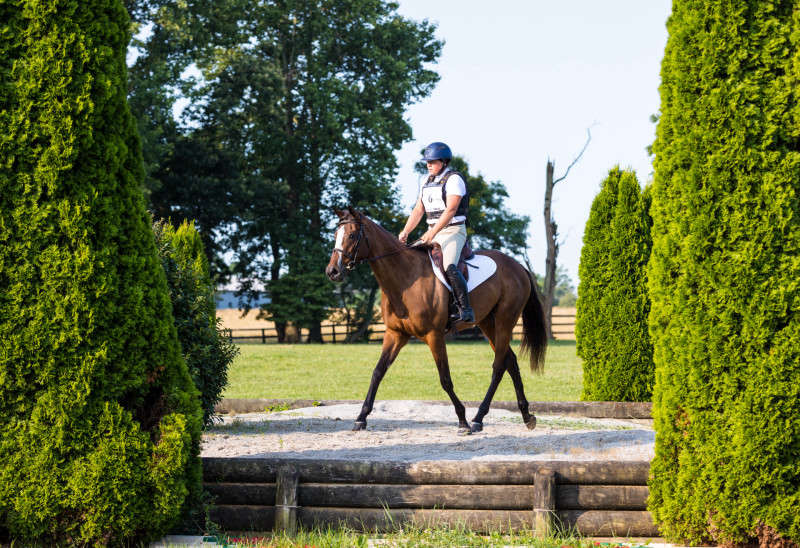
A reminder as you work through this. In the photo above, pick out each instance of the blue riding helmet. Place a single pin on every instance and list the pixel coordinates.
(437, 151)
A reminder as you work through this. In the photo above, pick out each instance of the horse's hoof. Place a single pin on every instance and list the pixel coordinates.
(359, 425)
(476, 427)
(531, 424)
(464, 431)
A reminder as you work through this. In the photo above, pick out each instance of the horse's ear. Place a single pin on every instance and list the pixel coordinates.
(353, 212)
(339, 213)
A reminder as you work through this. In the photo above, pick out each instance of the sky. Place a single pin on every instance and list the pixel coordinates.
(522, 81)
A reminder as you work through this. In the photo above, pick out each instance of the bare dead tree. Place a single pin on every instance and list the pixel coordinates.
(551, 233)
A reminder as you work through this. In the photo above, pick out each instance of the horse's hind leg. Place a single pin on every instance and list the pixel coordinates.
(504, 360)
(436, 343)
(393, 341)
(513, 371)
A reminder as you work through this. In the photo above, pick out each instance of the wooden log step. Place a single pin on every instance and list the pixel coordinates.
(258, 494)
(479, 497)
(263, 470)
(483, 497)
(601, 497)
(243, 518)
(587, 523)
(608, 523)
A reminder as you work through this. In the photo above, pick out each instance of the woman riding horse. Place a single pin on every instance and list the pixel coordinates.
(414, 303)
(444, 201)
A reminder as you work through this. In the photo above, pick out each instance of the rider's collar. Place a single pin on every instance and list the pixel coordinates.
(437, 178)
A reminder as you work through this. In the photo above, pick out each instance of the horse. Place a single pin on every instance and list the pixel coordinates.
(415, 304)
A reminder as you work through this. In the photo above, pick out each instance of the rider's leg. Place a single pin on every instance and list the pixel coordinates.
(459, 285)
(452, 239)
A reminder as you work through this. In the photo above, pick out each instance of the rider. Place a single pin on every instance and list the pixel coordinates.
(444, 202)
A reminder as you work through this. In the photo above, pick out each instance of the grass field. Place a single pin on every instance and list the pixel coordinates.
(343, 371)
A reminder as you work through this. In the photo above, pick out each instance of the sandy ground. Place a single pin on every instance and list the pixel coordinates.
(411, 431)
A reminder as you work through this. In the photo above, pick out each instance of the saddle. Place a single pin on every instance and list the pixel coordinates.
(435, 251)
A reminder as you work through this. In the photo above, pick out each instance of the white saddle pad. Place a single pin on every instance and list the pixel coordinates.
(485, 267)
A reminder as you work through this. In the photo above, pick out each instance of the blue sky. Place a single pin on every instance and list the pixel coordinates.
(522, 80)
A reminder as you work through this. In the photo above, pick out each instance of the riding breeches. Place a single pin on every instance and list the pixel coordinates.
(452, 239)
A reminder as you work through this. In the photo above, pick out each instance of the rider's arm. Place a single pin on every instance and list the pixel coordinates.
(447, 215)
(413, 221)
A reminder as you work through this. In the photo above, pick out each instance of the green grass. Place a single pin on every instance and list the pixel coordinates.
(414, 536)
(343, 372)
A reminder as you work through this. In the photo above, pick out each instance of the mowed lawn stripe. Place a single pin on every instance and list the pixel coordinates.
(343, 371)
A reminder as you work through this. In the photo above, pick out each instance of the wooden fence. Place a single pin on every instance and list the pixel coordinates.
(563, 329)
(593, 498)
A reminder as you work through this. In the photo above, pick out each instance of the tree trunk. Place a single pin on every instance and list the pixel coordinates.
(275, 272)
(315, 333)
(551, 232)
(366, 317)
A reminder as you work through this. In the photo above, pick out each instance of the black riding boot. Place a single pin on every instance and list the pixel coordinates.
(459, 285)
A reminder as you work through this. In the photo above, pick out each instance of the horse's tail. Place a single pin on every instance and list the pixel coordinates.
(534, 331)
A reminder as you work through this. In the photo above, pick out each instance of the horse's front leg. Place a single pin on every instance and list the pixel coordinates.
(393, 341)
(435, 340)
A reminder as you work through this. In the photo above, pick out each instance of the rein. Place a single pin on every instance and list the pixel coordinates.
(354, 260)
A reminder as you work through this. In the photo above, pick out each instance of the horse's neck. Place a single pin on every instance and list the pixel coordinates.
(395, 271)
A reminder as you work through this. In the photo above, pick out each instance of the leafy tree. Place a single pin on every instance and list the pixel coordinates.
(188, 176)
(565, 294)
(99, 419)
(310, 97)
(611, 323)
(724, 276)
(206, 350)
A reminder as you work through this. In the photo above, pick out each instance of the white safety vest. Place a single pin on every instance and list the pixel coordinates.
(434, 192)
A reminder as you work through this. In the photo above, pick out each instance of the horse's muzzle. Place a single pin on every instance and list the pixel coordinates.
(334, 273)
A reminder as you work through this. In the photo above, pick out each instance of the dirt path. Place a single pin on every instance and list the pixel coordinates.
(412, 431)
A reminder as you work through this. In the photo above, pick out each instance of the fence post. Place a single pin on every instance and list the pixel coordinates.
(333, 331)
(544, 502)
(230, 334)
(263, 336)
(286, 500)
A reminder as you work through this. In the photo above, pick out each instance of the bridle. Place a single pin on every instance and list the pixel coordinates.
(361, 235)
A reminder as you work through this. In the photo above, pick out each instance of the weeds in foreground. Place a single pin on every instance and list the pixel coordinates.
(408, 537)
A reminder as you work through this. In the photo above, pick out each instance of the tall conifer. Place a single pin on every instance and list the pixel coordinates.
(725, 273)
(99, 420)
(611, 323)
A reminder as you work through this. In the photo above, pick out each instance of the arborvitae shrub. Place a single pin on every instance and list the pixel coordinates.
(206, 350)
(99, 419)
(611, 324)
(724, 275)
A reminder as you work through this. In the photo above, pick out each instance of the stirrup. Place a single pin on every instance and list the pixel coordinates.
(463, 316)
(467, 316)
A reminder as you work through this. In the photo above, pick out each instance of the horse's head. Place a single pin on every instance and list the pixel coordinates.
(351, 246)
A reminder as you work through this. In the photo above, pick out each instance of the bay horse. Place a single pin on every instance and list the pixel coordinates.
(415, 303)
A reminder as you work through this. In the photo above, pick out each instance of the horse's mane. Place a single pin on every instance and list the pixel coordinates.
(419, 247)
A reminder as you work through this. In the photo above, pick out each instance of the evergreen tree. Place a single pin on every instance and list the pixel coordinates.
(724, 275)
(207, 351)
(611, 322)
(99, 419)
